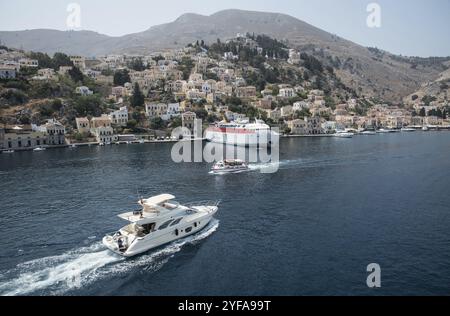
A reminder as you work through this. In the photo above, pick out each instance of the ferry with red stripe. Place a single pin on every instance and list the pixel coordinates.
(242, 133)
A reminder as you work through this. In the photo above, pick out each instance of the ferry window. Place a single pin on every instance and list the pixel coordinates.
(165, 225)
(176, 222)
(188, 230)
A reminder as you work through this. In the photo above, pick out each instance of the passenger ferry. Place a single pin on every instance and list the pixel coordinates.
(242, 133)
(160, 221)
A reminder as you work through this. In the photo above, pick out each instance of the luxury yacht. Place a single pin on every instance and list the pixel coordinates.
(160, 221)
(230, 166)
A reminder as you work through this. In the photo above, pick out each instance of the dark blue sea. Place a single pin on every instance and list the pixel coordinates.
(334, 207)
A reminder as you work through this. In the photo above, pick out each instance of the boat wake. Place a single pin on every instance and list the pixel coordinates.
(78, 268)
(313, 163)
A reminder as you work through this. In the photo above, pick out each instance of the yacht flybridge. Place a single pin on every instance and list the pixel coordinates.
(160, 221)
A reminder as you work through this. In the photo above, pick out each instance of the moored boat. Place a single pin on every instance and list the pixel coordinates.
(343, 134)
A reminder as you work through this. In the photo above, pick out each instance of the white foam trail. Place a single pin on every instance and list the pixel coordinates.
(78, 268)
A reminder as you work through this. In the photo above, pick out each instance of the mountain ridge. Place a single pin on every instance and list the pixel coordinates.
(375, 73)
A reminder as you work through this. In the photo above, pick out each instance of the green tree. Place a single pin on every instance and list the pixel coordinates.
(136, 64)
(422, 112)
(90, 105)
(121, 77)
(185, 66)
(60, 59)
(76, 75)
(156, 123)
(137, 99)
(132, 124)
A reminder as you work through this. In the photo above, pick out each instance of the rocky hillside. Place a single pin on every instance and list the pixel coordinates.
(369, 71)
(438, 90)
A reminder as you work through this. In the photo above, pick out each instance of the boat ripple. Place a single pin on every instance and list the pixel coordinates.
(75, 269)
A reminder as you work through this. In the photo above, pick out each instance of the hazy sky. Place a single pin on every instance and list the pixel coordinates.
(409, 27)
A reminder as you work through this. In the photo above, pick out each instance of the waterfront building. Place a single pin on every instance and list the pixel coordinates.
(298, 127)
(102, 130)
(83, 125)
(188, 121)
(21, 137)
(313, 125)
(54, 131)
(119, 117)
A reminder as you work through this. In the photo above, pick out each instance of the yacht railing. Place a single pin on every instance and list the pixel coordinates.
(203, 203)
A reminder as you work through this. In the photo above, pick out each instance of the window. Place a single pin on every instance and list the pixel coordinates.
(176, 222)
(165, 225)
(188, 230)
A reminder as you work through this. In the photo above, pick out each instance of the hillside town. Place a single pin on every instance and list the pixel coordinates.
(69, 100)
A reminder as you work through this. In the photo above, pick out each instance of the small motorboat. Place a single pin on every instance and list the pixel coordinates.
(343, 134)
(384, 131)
(8, 151)
(368, 133)
(230, 166)
(408, 130)
(425, 129)
(160, 221)
(39, 149)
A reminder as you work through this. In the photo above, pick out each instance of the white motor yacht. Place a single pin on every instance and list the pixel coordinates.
(230, 166)
(160, 221)
(343, 134)
(369, 133)
(407, 129)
